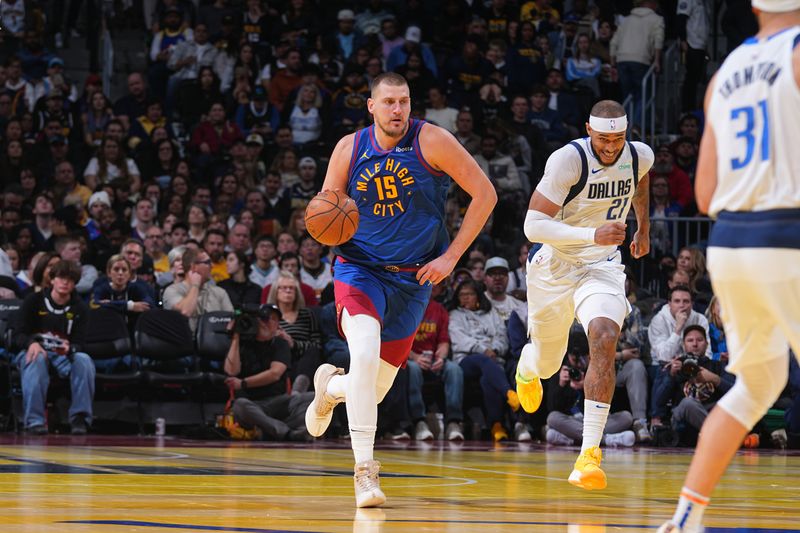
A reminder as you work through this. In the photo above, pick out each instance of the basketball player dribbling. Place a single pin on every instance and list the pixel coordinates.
(578, 213)
(748, 178)
(398, 172)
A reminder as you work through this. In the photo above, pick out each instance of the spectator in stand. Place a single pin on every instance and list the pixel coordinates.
(213, 136)
(264, 269)
(680, 187)
(196, 96)
(563, 102)
(96, 118)
(685, 150)
(694, 394)
(197, 221)
(583, 68)
(286, 164)
(53, 338)
(439, 112)
(41, 272)
(716, 331)
(287, 79)
(693, 30)
(258, 115)
(547, 120)
(562, 39)
(186, 60)
(347, 36)
(195, 295)
(155, 247)
(164, 42)
(133, 250)
(480, 342)
(313, 271)
(420, 78)
(239, 239)
(465, 133)
(305, 116)
(277, 204)
(116, 291)
(466, 72)
(213, 14)
(298, 327)
(349, 109)
(692, 261)
(143, 129)
(517, 279)
(666, 328)
(290, 262)
(389, 36)
(41, 230)
(689, 126)
(257, 368)
(111, 164)
(214, 246)
(412, 43)
(239, 288)
(661, 207)
(132, 105)
(632, 374)
(69, 249)
(565, 404)
(67, 190)
(502, 171)
(429, 361)
(143, 219)
(526, 64)
(635, 47)
(496, 280)
(303, 191)
(540, 13)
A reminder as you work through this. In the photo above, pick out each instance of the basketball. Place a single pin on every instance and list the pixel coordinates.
(332, 217)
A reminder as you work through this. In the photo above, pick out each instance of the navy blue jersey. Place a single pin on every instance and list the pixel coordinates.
(400, 199)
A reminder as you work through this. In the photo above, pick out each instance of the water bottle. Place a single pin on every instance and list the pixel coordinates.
(440, 423)
(161, 427)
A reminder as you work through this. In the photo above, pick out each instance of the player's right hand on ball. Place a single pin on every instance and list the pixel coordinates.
(610, 233)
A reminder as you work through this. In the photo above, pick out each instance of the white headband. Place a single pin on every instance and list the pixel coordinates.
(608, 125)
(776, 6)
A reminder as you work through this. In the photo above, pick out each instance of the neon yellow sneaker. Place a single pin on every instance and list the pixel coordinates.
(587, 473)
(530, 393)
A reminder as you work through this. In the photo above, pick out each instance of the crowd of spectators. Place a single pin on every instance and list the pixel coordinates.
(187, 193)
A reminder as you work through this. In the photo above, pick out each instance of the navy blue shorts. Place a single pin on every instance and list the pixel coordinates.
(395, 299)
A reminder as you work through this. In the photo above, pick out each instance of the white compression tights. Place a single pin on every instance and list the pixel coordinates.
(367, 383)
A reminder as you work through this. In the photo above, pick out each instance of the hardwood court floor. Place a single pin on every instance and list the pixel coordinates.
(149, 485)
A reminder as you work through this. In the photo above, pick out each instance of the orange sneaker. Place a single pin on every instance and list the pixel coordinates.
(587, 473)
(499, 432)
(529, 392)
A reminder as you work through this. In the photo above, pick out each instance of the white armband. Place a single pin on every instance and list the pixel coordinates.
(542, 228)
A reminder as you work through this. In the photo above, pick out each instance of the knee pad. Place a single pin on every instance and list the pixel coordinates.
(363, 334)
(386, 374)
(757, 387)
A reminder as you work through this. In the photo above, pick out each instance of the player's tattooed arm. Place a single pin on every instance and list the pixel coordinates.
(640, 245)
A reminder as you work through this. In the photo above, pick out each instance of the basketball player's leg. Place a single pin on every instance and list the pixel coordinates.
(601, 315)
(758, 347)
(550, 315)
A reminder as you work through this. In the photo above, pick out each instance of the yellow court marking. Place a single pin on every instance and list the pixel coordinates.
(153, 488)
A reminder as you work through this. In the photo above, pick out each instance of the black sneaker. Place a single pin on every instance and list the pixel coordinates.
(37, 430)
(79, 427)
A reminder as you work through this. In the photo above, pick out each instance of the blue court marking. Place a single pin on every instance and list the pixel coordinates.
(488, 522)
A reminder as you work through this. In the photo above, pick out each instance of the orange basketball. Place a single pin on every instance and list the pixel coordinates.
(332, 217)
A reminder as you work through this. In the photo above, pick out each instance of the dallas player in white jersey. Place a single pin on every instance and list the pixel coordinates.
(578, 212)
(748, 177)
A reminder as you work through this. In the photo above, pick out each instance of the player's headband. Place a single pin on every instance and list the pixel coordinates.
(608, 125)
(776, 6)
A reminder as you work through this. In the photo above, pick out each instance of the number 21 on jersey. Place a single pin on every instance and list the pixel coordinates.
(744, 120)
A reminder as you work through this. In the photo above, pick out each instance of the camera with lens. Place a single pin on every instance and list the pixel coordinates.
(51, 342)
(691, 365)
(575, 374)
(247, 316)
